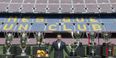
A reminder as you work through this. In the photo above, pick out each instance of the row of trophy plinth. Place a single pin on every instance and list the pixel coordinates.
(91, 45)
(41, 52)
(23, 45)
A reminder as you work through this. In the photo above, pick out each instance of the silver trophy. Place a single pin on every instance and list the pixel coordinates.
(9, 38)
(92, 36)
(39, 38)
(23, 43)
(75, 35)
(106, 37)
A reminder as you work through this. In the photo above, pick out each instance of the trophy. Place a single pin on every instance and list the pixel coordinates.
(106, 37)
(39, 38)
(42, 48)
(92, 37)
(9, 38)
(23, 45)
(75, 35)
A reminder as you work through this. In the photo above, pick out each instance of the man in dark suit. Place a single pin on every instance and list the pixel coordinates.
(58, 46)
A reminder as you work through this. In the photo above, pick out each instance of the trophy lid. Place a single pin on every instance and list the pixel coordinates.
(9, 34)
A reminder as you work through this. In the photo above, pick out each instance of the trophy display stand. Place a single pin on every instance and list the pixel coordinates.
(18, 50)
(98, 50)
(73, 57)
(92, 50)
(94, 57)
(19, 56)
(93, 53)
(7, 56)
(23, 54)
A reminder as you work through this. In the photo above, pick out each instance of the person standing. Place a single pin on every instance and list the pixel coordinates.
(59, 46)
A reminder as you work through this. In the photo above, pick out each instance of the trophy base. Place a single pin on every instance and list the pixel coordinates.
(19, 56)
(38, 57)
(111, 57)
(73, 57)
(6, 56)
(95, 57)
(108, 57)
